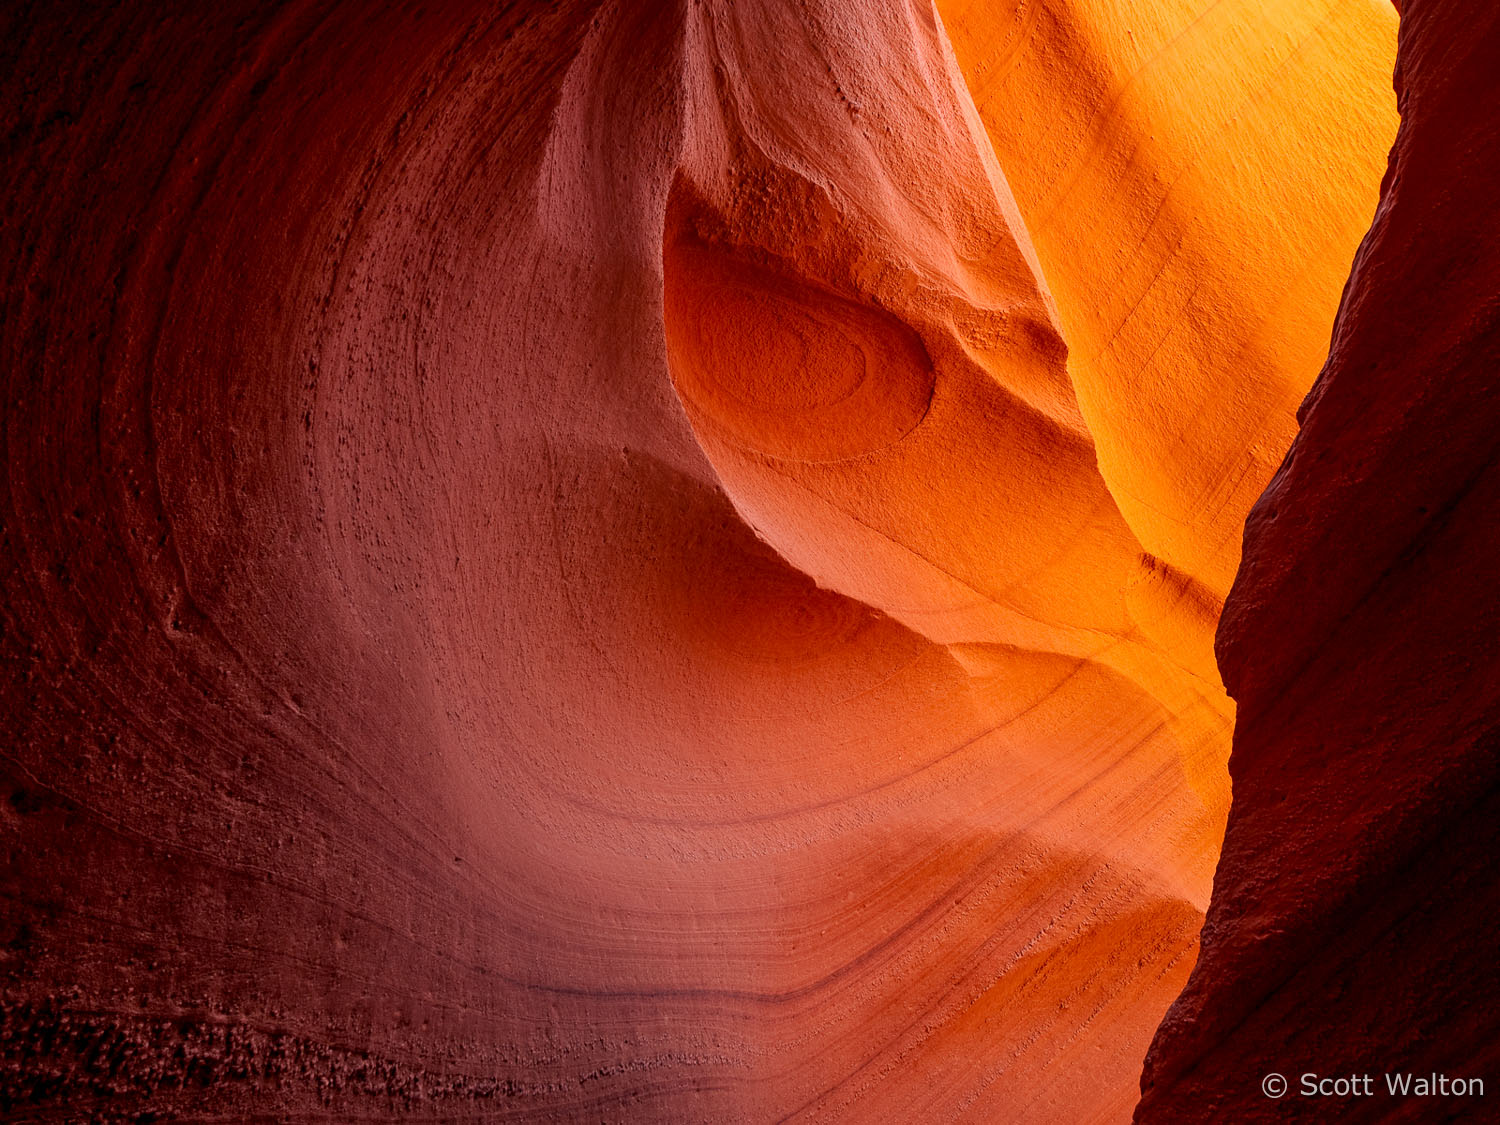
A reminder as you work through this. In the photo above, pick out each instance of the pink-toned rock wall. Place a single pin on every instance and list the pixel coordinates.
(402, 717)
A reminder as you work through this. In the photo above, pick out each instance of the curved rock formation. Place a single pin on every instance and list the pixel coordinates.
(1193, 214)
(594, 561)
(1351, 928)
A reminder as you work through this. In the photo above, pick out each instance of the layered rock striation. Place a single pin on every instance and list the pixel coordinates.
(607, 561)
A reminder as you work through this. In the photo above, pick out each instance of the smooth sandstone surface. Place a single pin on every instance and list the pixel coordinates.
(1192, 212)
(608, 561)
(1352, 926)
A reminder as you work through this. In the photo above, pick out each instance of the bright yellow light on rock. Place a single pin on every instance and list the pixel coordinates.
(1195, 177)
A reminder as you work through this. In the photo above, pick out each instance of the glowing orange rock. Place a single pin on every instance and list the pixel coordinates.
(1195, 177)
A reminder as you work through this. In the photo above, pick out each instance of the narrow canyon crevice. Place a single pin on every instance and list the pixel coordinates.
(1350, 931)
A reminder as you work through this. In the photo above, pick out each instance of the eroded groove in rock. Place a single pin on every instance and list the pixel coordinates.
(1350, 932)
(562, 562)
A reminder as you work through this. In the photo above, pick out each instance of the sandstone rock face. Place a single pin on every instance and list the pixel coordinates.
(1351, 930)
(637, 561)
(1193, 214)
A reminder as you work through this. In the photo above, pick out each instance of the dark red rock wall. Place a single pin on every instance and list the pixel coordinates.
(224, 790)
(1353, 925)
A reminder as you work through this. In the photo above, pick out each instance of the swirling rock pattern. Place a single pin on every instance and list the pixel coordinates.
(593, 561)
(1351, 928)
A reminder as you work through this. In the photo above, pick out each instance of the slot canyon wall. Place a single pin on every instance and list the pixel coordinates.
(659, 561)
(1353, 923)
